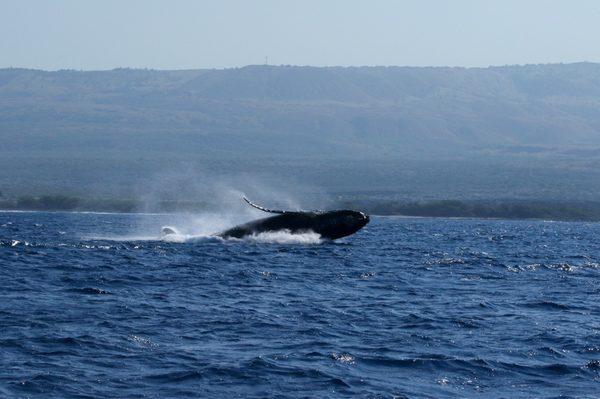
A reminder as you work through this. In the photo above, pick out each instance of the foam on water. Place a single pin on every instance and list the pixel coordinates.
(172, 234)
(286, 237)
(172, 238)
(183, 238)
(272, 237)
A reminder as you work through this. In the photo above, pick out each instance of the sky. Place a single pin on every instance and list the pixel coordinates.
(190, 34)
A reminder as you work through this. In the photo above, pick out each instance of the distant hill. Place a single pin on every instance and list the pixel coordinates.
(541, 120)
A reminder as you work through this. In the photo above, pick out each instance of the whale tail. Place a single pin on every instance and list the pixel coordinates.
(166, 230)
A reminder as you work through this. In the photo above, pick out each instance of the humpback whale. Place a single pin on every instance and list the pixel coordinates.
(329, 225)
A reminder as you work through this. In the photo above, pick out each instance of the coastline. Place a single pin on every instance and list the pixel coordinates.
(448, 209)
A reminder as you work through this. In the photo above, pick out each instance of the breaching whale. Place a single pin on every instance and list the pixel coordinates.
(329, 225)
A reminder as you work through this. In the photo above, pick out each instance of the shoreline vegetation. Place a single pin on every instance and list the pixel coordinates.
(490, 209)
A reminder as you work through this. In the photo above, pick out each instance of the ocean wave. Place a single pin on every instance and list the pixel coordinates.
(90, 291)
(125, 313)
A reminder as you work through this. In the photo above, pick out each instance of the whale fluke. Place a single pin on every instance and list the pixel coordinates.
(166, 230)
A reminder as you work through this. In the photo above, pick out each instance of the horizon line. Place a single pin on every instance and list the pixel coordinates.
(136, 68)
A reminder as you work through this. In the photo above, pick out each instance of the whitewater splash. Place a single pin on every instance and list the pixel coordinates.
(286, 237)
(171, 234)
(272, 237)
(174, 238)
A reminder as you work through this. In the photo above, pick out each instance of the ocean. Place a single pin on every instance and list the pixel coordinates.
(98, 306)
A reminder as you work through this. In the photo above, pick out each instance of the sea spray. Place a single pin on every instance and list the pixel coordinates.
(286, 237)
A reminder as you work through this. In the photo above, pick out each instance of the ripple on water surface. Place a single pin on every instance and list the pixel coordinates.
(98, 305)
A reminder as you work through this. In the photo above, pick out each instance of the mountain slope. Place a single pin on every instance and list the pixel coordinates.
(535, 116)
(368, 111)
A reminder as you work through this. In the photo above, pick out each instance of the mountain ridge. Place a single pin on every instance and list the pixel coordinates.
(534, 116)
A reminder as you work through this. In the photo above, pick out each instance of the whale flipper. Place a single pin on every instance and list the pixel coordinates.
(260, 208)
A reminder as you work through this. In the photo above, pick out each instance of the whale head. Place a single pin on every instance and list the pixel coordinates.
(338, 224)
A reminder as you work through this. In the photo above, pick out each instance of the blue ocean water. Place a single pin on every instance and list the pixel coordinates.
(418, 308)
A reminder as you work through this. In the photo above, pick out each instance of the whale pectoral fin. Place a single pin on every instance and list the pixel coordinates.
(260, 208)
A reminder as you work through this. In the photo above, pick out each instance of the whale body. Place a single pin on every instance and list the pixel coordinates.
(329, 225)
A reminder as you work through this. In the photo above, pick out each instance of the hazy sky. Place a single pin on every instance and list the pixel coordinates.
(178, 34)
